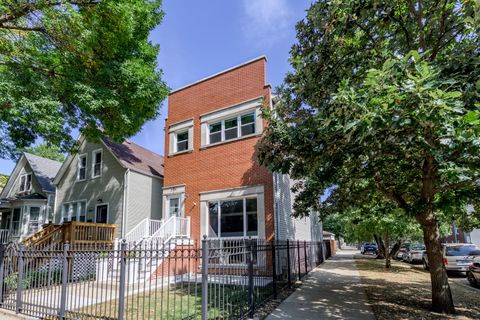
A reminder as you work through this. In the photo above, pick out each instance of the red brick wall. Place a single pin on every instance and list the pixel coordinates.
(223, 166)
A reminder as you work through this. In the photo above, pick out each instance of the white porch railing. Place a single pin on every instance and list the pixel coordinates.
(145, 229)
(4, 235)
(173, 227)
(160, 230)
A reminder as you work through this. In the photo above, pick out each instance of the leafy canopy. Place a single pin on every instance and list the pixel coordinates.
(76, 64)
(46, 151)
(382, 101)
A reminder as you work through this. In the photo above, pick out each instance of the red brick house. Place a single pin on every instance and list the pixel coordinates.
(211, 174)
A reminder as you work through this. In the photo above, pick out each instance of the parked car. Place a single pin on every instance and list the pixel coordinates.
(369, 247)
(456, 256)
(403, 249)
(473, 272)
(414, 253)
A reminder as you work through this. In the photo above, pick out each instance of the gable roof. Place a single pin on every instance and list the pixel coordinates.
(137, 158)
(44, 169)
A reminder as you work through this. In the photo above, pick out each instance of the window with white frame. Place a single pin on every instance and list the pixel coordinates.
(180, 137)
(82, 167)
(174, 206)
(25, 182)
(97, 163)
(231, 128)
(34, 222)
(181, 141)
(74, 211)
(233, 217)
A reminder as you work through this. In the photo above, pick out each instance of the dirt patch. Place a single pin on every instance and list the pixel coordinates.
(404, 292)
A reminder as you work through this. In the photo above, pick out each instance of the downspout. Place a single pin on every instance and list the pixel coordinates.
(125, 202)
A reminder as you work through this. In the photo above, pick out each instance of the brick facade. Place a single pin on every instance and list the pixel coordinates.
(227, 165)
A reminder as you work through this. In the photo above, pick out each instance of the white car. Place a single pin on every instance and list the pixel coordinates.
(456, 256)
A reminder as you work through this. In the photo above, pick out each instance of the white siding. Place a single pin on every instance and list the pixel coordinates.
(286, 226)
(144, 199)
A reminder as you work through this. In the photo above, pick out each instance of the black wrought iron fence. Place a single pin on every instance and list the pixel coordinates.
(178, 279)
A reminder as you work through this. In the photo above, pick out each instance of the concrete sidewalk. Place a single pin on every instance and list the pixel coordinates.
(331, 291)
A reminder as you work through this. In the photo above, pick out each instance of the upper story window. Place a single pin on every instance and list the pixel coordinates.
(97, 163)
(25, 183)
(180, 137)
(232, 123)
(232, 128)
(82, 167)
(182, 141)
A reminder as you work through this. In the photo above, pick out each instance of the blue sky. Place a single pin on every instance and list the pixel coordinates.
(200, 38)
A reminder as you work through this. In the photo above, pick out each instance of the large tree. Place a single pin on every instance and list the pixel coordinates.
(385, 93)
(46, 150)
(76, 64)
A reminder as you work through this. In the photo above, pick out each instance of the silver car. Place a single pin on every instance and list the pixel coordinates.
(456, 256)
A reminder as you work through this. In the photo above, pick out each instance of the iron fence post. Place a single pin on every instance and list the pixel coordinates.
(289, 277)
(205, 253)
(63, 293)
(2, 254)
(274, 268)
(305, 255)
(251, 302)
(121, 289)
(298, 259)
(18, 307)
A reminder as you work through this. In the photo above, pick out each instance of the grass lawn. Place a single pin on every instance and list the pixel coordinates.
(166, 303)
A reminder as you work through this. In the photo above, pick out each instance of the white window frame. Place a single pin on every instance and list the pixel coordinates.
(80, 157)
(102, 204)
(180, 207)
(69, 213)
(175, 145)
(239, 127)
(178, 128)
(245, 217)
(94, 153)
(24, 185)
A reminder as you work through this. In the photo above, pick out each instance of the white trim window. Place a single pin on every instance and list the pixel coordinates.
(82, 167)
(174, 208)
(74, 211)
(181, 141)
(232, 128)
(34, 219)
(25, 182)
(233, 218)
(97, 163)
(180, 137)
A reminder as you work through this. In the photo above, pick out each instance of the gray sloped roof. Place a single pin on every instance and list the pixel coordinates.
(45, 170)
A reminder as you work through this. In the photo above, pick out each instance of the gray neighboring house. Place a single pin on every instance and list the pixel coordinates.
(109, 182)
(27, 201)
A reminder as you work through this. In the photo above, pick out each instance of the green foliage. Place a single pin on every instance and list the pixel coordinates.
(46, 151)
(383, 99)
(34, 279)
(3, 181)
(76, 64)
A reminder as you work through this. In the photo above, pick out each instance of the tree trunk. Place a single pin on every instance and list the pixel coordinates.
(388, 262)
(380, 246)
(396, 247)
(442, 300)
(339, 244)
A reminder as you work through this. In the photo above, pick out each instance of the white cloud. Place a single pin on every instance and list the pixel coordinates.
(266, 21)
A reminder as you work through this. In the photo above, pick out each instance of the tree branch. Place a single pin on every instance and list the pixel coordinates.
(33, 29)
(458, 185)
(395, 197)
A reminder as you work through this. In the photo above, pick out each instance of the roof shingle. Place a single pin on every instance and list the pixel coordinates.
(135, 157)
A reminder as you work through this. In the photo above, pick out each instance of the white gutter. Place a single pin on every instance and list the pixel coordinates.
(125, 202)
